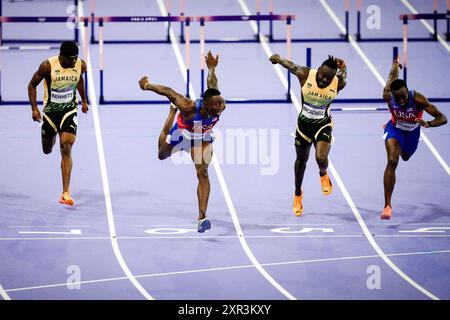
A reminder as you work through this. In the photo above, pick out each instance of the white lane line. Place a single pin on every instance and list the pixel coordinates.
(422, 223)
(3, 294)
(54, 238)
(341, 184)
(29, 227)
(103, 171)
(380, 79)
(71, 232)
(271, 264)
(232, 237)
(221, 178)
(299, 224)
(426, 24)
(166, 225)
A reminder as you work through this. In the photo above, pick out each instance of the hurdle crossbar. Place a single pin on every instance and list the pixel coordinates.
(435, 16)
(144, 19)
(21, 19)
(405, 18)
(287, 18)
(36, 19)
(244, 18)
(101, 20)
(340, 38)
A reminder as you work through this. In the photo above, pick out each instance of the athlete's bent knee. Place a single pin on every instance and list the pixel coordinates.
(392, 162)
(202, 173)
(66, 149)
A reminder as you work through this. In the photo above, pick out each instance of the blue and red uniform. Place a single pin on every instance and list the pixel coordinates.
(403, 126)
(186, 132)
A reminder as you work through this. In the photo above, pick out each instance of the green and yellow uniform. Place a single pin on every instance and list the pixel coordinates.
(314, 122)
(60, 98)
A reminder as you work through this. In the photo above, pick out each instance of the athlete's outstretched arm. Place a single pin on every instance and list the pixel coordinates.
(212, 81)
(185, 105)
(81, 89)
(301, 72)
(43, 71)
(341, 74)
(211, 64)
(393, 75)
(439, 118)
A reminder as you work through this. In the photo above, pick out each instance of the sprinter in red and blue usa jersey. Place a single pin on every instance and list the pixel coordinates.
(402, 132)
(192, 131)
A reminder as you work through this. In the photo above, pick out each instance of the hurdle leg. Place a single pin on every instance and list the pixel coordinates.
(182, 7)
(289, 54)
(202, 55)
(271, 10)
(1, 26)
(188, 59)
(395, 53)
(405, 48)
(0, 85)
(308, 57)
(435, 25)
(168, 30)
(101, 58)
(85, 52)
(182, 40)
(76, 36)
(347, 14)
(447, 36)
(358, 19)
(258, 23)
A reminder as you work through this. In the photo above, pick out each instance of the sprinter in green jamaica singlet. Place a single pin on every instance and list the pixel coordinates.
(314, 125)
(63, 76)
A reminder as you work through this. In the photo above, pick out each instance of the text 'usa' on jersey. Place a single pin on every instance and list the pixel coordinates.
(404, 118)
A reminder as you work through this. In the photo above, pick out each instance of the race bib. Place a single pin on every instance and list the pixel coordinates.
(62, 96)
(313, 113)
(407, 126)
(192, 135)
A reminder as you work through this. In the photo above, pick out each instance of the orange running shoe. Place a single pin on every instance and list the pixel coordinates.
(65, 198)
(326, 184)
(387, 213)
(298, 207)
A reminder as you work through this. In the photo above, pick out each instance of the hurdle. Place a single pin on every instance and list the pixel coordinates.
(340, 38)
(140, 19)
(202, 40)
(93, 19)
(406, 18)
(433, 36)
(54, 19)
(380, 100)
(35, 20)
(270, 36)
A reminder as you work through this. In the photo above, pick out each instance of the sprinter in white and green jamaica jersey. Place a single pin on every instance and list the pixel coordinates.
(314, 124)
(63, 76)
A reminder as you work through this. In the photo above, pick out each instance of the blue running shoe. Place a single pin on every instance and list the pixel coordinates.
(204, 225)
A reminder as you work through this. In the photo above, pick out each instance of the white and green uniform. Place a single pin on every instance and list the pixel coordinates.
(61, 93)
(60, 98)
